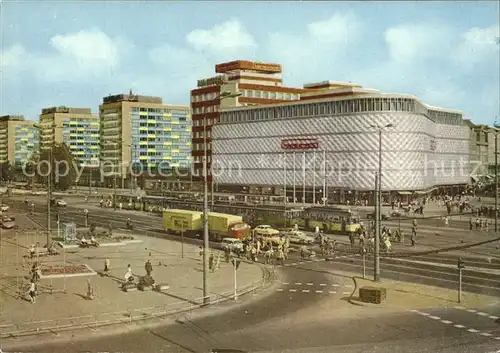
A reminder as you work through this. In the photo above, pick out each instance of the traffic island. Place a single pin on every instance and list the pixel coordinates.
(103, 238)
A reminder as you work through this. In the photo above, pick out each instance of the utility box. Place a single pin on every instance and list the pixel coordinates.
(374, 295)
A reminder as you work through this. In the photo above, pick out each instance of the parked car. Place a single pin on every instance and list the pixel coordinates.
(233, 244)
(298, 237)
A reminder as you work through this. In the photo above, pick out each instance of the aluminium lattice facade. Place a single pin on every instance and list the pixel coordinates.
(427, 146)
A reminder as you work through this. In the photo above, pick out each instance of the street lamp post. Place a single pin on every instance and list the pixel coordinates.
(378, 203)
(206, 243)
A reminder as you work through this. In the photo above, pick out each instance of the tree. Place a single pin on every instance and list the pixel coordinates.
(63, 167)
(6, 172)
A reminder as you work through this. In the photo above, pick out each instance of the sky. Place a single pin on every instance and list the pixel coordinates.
(75, 53)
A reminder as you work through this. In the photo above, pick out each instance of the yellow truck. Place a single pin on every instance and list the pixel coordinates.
(182, 221)
(220, 225)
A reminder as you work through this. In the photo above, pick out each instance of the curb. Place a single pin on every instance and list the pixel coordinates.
(268, 276)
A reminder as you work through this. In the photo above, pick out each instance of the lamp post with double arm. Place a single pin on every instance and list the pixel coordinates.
(206, 242)
(378, 202)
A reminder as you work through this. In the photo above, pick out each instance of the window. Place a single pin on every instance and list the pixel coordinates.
(273, 95)
(265, 95)
(258, 94)
(279, 95)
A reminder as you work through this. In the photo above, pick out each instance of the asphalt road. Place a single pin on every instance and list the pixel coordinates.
(300, 322)
(303, 323)
(436, 270)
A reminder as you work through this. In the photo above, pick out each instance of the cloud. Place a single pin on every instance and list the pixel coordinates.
(72, 57)
(12, 61)
(415, 42)
(305, 57)
(230, 36)
(478, 45)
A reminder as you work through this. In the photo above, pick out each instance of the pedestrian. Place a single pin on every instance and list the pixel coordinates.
(110, 228)
(281, 256)
(446, 221)
(90, 290)
(32, 251)
(128, 276)
(211, 261)
(107, 266)
(477, 223)
(486, 224)
(471, 224)
(149, 268)
(412, 238)
(32, 292)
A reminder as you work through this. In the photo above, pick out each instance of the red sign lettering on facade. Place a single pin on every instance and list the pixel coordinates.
(300, 144)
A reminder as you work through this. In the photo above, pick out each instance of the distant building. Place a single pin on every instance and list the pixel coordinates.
(142, 130)
(18, 140)
(78, 128)
(259, 83)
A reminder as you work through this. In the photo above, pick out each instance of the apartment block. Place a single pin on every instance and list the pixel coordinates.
(78, 128)
(18, 140)
(144, 132)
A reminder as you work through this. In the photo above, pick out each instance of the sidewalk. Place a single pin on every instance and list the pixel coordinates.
(183, 275)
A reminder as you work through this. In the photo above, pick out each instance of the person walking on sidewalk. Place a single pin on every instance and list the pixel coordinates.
(107, 266)
(128, 276)
(149, 268)
(446, 221)
(32, 292)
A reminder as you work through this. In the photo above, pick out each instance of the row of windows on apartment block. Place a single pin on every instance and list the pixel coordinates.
(162, 118)
(159, 110)
(360, 105)
(180, 140)
(248, 93)
(157, 124)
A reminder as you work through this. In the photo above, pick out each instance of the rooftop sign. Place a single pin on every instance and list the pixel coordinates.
(247, 65)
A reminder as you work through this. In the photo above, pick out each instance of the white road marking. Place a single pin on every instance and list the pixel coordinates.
(460, 308)
(332, 292)
(483, 314)
(286, 283)
(473, 330)
(471, 310)
(310, 284)
(459, 326)
(346, 293)
(435, 317)
(492, 317)
(279, 290)
(292, 290)
(486, 334)
(348, 285)
(425, 314)
(298, 284)
(322, 284)
(335, 285)
(446, 322)
(414, 311)
(319, 291)
(294, 264)
(305, 290)
(497, 338)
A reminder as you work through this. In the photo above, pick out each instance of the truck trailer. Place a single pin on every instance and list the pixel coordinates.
(220, 225)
